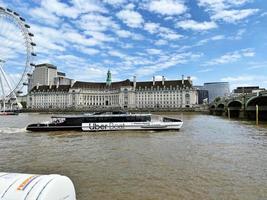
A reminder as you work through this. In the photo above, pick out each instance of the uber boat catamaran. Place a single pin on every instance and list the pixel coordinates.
(108, 122)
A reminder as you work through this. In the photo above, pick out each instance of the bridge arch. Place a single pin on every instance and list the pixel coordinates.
(212, 109)
(220, 106)
(261, 101)
(234, 108)
(219, 109)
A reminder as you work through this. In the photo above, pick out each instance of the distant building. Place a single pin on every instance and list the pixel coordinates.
(63, 81)
(217, 89)
(203, 94)
(44, 74)
(47, 74)
(164, 94)
(247, 89)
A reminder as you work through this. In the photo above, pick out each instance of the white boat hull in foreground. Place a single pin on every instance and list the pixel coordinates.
(120, 126)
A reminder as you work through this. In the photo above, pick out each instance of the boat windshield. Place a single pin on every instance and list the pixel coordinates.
(57, 120)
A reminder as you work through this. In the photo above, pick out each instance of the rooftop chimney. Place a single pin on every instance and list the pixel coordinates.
(182, 79)
(72, 82)
(163, 79)
(134, 82)
(154, 80)
(189, 79)
(57, 84)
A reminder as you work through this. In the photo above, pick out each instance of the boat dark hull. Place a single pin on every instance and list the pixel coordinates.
(53, 128)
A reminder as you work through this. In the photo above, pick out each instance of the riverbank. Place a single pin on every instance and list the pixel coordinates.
(91, 110)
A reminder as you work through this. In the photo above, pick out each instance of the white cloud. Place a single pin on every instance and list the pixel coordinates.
(154, 51)
(115, 2)
(226, 10)
(233, 16)
(221, 4)
(214, 38)
(169, 34)
(97, 72)
(239, 34)
(161, 42)
(151, 27)
(2, 4)
(166, 61)
(197, 26)
(60, 9)
(116, 53)
(127, 34)
(159, 78)
(99, 36)
(218, 37)
(74, 9)
(231, 57)
(45, 16)
(238, 78)
(205, 70)
(165, 33)
(96, 22)
(86, 50)
(77, 38)
(246, 80)
(123, 33)
(257, 65)
(132, 18)
(71, 59)
(167, 7)
(248, 52)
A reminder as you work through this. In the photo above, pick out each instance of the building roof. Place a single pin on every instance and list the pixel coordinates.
(46, 65)
(114, 85)
(61, 74)
(211, 83)
(248, 87)
(80, 84)
(167, 83)
(52, 88)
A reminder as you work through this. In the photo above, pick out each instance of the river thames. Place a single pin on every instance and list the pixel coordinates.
(209, 158)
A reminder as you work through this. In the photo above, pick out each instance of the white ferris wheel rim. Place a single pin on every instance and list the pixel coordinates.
(19, 22)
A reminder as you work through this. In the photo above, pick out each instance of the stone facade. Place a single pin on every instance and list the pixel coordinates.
(164, 94)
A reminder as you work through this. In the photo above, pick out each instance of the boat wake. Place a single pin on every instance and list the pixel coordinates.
(12, 130)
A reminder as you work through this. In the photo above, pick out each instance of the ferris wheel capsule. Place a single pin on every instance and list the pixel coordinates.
(27, 26)
(15, 13)
(9, 10)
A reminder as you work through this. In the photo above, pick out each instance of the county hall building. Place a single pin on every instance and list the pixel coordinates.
(126, 94)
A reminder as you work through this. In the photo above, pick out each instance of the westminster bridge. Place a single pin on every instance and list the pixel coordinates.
(241, 106)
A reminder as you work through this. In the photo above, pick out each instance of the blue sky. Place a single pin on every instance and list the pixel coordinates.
(209, 40)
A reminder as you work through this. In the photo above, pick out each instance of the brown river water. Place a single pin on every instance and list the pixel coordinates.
(209, 158)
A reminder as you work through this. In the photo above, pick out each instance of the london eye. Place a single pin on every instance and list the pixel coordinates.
(16, 57)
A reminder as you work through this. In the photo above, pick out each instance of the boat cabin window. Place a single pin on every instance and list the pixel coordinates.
(119, 118)
(58, 120)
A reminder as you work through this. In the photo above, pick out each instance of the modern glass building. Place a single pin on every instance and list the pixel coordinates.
(217, 89)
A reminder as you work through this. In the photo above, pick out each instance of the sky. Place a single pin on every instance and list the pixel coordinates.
(209, 40)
